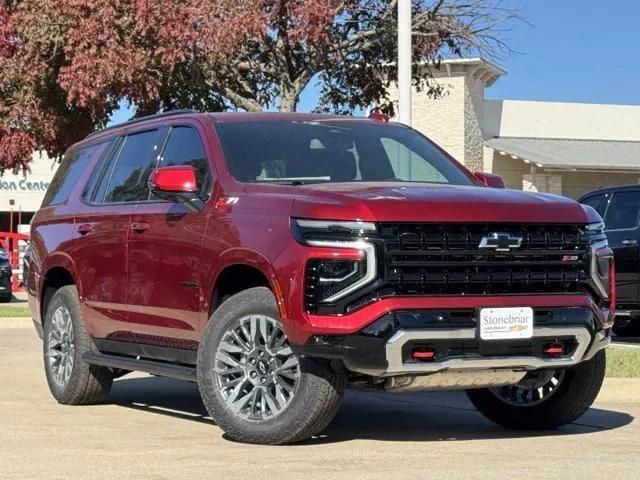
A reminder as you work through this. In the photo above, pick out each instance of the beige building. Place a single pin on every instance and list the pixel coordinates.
(563, 148)
(23, 194)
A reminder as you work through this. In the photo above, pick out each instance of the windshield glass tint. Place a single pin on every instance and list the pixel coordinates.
(333, 151)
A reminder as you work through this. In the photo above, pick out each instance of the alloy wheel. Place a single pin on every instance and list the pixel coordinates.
(255, 369)
(537, 387)
(60, 346)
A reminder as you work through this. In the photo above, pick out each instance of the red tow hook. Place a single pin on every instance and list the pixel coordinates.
(423, 354)
(553, 350)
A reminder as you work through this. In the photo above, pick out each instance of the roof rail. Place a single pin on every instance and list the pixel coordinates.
(133, 121)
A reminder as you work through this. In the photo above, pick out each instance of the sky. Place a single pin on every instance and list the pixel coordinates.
(568, 51)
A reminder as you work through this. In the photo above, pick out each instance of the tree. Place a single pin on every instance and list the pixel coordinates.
(66, 64)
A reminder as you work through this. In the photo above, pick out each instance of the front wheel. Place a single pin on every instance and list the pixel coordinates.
(544, 399)
(252, 384)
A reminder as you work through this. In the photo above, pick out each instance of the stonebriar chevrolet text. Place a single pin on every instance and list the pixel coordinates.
(276, 259)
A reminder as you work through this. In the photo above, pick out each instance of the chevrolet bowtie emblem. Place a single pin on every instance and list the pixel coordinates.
(501, 242)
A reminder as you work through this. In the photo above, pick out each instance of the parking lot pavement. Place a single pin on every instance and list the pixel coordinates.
(157, 428)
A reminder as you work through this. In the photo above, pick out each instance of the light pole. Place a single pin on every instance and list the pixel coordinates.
(404, 61)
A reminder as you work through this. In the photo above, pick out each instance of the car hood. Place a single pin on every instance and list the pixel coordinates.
(434, 203)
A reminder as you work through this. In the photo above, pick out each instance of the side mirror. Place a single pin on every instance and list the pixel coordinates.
(490, 179)
(178, 185)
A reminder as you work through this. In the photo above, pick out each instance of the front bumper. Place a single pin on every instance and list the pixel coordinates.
(383, 348)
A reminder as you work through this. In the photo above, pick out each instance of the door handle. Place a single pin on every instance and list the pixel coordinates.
(140, 227)
(629, 242)
(84, 228)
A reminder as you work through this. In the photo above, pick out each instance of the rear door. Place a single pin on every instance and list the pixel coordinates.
(103, 225)
(166, 276)
(622, 229)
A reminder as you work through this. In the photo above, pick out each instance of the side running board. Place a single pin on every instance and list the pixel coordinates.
(162, 369)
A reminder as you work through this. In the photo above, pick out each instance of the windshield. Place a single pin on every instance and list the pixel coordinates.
(294, 152)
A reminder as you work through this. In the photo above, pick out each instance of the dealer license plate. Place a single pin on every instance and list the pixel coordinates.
(506, 323)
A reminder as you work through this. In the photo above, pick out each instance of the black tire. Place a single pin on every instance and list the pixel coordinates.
(575, 394)
(630, 328)
(86, 384)
(316, 399)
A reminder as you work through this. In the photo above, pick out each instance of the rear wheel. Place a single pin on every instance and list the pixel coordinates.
(252, 384)
(70, 379)
(544, 399)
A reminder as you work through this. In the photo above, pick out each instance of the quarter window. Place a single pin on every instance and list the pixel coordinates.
(623, 211)
(184, 147)
(135, 161)
(68, 174)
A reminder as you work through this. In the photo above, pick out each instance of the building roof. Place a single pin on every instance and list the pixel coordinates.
(571, 153)
(477, 68)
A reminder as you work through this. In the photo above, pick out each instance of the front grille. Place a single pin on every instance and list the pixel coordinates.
(446, 259)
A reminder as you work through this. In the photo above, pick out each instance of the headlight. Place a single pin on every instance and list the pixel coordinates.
(602, 266)
(596, 228)
(304, 230)
(328, 280)
(602, 270)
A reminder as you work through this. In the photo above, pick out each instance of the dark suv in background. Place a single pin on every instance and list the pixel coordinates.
(620, 208)
(5, 276)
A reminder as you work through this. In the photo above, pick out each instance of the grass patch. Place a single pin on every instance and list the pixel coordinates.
(14, 311)
(623, 362)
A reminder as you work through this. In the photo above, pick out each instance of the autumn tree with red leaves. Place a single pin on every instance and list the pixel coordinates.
(65, 65)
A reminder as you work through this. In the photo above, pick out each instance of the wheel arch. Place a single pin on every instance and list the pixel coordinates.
(241, 271)
(57, 274)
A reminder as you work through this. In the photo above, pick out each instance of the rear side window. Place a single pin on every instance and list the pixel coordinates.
(184, 147)
(623, 211)
(137, 156)
(598, 202)
(68, 174)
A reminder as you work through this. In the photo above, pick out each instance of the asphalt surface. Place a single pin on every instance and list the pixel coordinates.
(154, 428)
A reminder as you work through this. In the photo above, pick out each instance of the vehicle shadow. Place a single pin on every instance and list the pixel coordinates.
(425, 416)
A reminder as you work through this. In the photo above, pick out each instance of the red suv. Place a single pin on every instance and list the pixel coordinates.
(277, 258)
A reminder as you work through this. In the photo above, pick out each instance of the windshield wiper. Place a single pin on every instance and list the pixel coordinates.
(295, 180)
